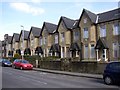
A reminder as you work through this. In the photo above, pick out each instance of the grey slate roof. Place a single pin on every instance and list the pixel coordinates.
(3, 43)
(51, 28)
(55, 48)
(101, 43)
(110, 15)
(35, 31)
(102, 17)
(74, 47)
(69, 23)
(9, 39)
(91, 15)
(16, 36)
(26, 33)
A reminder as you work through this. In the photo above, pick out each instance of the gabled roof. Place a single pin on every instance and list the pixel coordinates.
(35, 31)
(74, 47)
(51, 28)
(69, 23)
(9, 39)
(101, 44)
(55, 48)
(38, 50)
(91, 15)
(102, 17)
(16, 36)
(109, 15)
(3, 43)
(26, 33)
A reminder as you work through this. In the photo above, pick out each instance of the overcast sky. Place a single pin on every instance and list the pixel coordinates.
(33, 13)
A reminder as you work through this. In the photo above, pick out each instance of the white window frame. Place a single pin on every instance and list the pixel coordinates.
(41, 41)
(56, 39)
(45, 40)
(63, 36)
(85, 20)
(103, 31)
(76, 35)
(85, 33)
(116, 29)
(115, 50)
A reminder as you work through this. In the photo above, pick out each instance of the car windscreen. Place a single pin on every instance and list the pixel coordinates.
(114, 66)
(6, 61)
(24, 61)
(117, 66)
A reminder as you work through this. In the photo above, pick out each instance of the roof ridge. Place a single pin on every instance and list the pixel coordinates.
(108, 11)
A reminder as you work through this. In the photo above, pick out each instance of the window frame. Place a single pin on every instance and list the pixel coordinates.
(85, 33)
(102, 30)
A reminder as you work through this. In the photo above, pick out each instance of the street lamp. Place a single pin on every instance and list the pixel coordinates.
(22, 52)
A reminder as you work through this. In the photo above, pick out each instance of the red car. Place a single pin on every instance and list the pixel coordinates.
(22, 64)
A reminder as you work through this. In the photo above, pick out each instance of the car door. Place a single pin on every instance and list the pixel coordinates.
(17, 63)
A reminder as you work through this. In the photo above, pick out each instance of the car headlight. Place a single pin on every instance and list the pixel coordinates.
(25, 65)
(5, 63)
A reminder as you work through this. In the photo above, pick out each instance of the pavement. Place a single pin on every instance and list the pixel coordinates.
(96, 76)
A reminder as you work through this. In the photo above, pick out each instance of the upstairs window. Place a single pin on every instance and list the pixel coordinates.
(76, 35)
(56, 39)
(85, 20)
(116, 49)
(116, 29)
(45, 40)
(85, 33)
(102, 31)
(63, 37)
(41, 41)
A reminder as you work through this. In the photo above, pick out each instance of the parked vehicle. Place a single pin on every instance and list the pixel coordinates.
(22, 64)
(112, 73)
(6, 62)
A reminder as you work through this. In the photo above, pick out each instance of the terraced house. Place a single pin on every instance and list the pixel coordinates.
(100, 35)
(69, 37)
(15, 43)
(23, 42)
(48, 30)
(91, 37)
(9, 47)
(33, 39)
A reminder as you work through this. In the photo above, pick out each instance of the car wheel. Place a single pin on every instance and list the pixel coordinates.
(108, 80)
(21, 68)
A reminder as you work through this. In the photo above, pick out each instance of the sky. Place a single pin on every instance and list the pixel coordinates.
(14, 13)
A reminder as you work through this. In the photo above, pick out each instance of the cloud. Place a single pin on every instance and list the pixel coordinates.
(36, 1)
(26, 8)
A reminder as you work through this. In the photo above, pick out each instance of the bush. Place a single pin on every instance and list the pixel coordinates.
(51, 58)
(17, 56)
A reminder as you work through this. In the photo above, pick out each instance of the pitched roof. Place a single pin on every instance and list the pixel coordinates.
(69, 23)
(26, 33)
(38, 50)
(3, 43)
(35, 31)
(16, 36)
(51, 28)
(9, 39)
(91, 15)
(101, 43)
(74, 47)
(109, 15)
(102, 17)
(55, 48)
